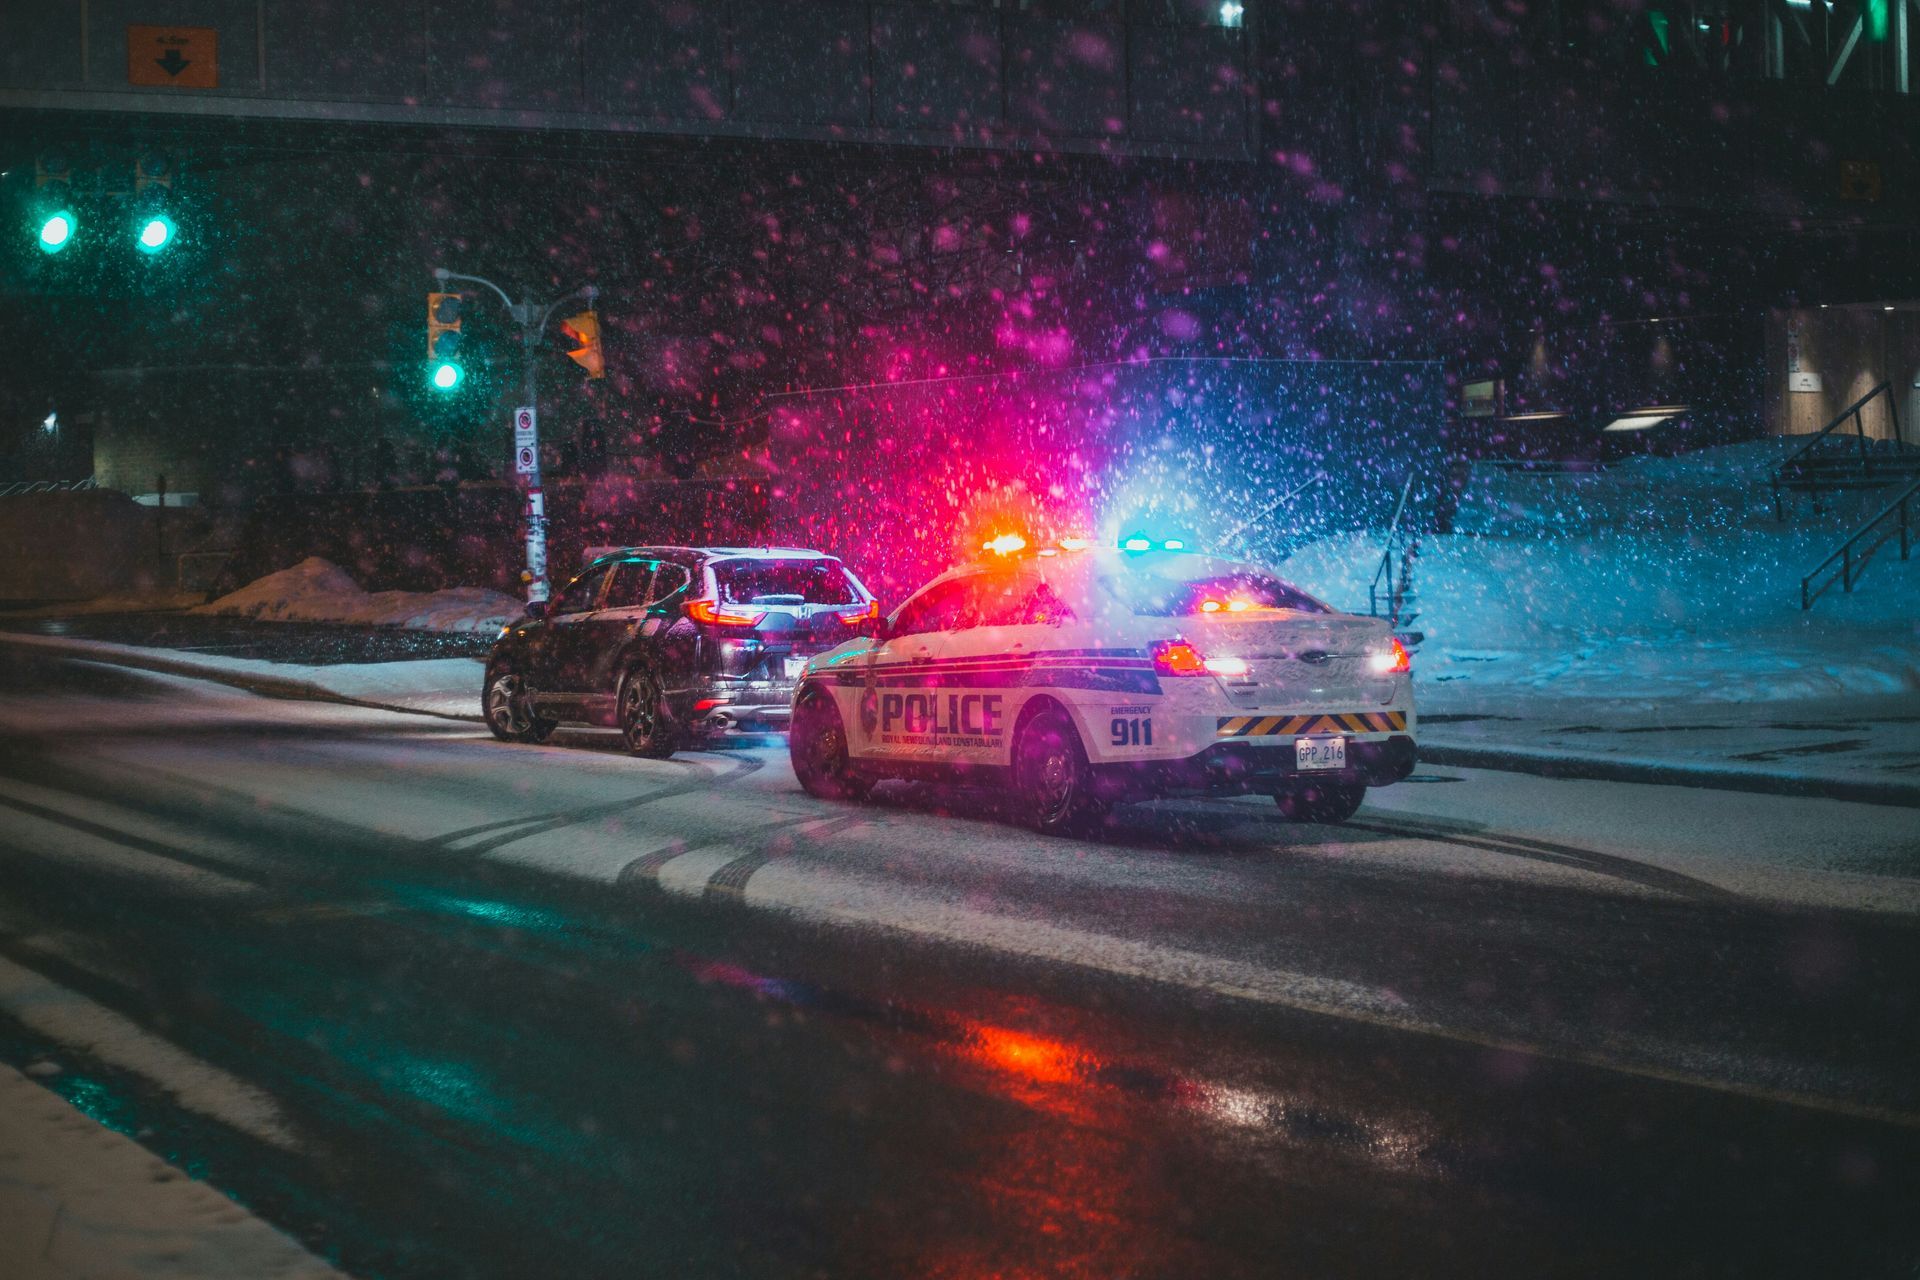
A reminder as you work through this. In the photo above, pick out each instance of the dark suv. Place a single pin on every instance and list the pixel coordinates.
(673, 644)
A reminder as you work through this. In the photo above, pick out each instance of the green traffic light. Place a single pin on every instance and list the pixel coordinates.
(56, 232)
(447, 375)
(156, 233)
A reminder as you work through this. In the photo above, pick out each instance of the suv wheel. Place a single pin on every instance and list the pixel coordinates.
(644, 722)
(1051, 776)
(508, 703)
(1320, 801)
(817, 745)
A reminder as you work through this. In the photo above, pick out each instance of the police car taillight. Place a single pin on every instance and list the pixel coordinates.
(1178, 658)
(1393, 661)
(721, 616)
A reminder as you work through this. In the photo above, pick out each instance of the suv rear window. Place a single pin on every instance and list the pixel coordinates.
(1151, 597)
(784, 582)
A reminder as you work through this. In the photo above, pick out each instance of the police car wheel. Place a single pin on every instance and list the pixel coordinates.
(643, 716)
(817, 745)
(1051, 777)
(1320, 801)
(509, 709)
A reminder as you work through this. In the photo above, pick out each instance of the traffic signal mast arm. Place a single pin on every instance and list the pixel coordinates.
(532, 319)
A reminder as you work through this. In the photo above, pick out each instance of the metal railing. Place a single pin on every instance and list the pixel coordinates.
(1383, 574)
(47, 486)
(1898, 512)
(1796, 461)
(1233, 537)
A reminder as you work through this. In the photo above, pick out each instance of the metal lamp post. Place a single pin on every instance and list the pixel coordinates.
(532, 318)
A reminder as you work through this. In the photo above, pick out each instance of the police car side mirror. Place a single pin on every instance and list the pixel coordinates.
(536, 609)
(883, 628)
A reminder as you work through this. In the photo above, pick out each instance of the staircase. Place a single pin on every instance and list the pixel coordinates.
(1835, 460)
(1898, 518)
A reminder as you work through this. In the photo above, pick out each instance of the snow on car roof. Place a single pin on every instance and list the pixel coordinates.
(756, 553)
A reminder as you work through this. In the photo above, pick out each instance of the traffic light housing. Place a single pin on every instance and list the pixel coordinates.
(583, 331)
(152, 170)
(444, 370)
(54, 221)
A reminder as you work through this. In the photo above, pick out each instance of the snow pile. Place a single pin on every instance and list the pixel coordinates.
(1667, 579)
(317, 590)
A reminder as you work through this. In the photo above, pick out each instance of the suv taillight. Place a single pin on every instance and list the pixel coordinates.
(720, 615)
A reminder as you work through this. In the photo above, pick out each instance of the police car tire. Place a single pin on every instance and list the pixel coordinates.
(1329, 802)
(1037, 740)
(815, 714)
(508, 727)
(638, 689)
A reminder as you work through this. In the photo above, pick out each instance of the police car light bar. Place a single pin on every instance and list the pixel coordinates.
(1005, 545)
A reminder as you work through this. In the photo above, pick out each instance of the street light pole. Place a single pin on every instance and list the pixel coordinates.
(532, 318)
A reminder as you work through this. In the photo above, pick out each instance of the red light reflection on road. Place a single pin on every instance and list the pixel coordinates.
(1029, 1057)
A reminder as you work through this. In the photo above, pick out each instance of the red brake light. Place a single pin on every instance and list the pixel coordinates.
(720, 616)
(869, 610)
(1178, 658)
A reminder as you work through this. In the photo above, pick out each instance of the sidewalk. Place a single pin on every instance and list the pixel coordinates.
(1855, 747)
(1862, 748)
(447, 687)
(81, 1202)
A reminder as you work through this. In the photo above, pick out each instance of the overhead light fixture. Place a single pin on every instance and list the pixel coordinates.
(1538, 415)
(1641, 419)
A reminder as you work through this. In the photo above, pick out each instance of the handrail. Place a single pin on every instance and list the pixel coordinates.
(1232, 535)
(1844, 553)
(1860, 433)
(48, 486)
(1851, 411)
(1385, 567)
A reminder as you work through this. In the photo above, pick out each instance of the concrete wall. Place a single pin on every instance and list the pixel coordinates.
(1167, 80)
(1852, 349)
(74, 546)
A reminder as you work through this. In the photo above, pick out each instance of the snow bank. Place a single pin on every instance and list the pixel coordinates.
(317, 590)
(1666, 578)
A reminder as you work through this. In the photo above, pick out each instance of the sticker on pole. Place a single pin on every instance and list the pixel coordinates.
(523, 426)
(523, 460)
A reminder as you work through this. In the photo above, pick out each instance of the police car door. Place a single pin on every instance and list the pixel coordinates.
(1016, 651)
(895, 717)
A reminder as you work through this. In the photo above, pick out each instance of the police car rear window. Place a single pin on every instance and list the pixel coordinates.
(1151, 597)
(784, 582)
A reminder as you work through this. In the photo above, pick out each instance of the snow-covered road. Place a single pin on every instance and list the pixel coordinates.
(1753, 950)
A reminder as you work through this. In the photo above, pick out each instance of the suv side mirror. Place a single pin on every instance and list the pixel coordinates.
(536, 609)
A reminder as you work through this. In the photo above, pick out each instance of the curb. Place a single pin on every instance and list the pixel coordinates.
(1506, 759)
(1600, 768)
(266, 685)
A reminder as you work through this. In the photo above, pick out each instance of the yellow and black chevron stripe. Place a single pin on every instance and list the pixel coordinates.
(1274, 726)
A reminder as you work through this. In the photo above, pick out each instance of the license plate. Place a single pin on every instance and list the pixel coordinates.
(1320, 753)
(795, 666)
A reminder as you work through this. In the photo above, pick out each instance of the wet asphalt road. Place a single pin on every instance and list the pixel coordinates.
(475, 1010)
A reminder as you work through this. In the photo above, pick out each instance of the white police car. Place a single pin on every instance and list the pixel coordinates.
(1084, 676)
